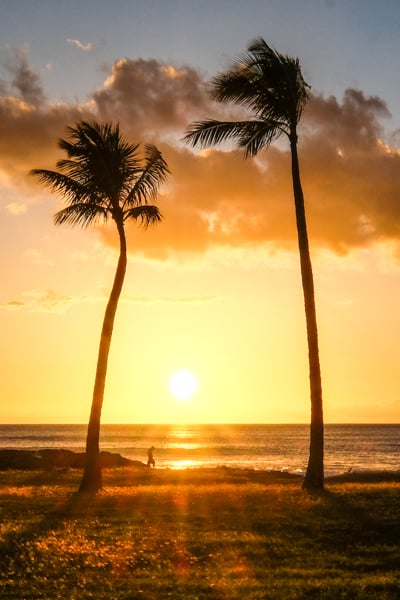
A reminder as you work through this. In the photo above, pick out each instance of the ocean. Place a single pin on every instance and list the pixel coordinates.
(266, 447)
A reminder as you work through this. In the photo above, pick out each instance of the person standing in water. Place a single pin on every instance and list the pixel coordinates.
(150, 458)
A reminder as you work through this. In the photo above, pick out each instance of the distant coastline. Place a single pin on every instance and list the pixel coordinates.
(58, 459)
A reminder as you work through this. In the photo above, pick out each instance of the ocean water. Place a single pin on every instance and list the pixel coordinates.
(267, 447)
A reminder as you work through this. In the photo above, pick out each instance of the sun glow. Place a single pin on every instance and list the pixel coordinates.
(183, 385)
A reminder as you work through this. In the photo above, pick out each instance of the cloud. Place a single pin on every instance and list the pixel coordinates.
(35, 301)
(36, 257)
(169, 299)
(51, 301)
(29, 134)
(216, 199)
(48, 301)
(23, 79)
(152, 99)
(351, 177)
(16, 208)
(85, 47)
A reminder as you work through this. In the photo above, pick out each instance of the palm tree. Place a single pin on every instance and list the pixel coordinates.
(272, 87)
(104, 177)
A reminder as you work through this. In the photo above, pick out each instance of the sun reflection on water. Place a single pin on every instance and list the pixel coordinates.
(179, 465)
(181, 432)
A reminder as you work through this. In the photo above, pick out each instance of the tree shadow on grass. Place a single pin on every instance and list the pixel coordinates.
(364, 516)
(30, 524)
(348, 524)
(353, 528)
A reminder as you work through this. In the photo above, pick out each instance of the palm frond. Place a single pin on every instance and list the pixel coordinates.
(147, 214)
(267, 83)
(258, 135)
(100, 158)
(284, 73)
(103, 175)
(89, 135)
(153, 175)
(66, 186)
(83, 214)
(209, 132)
(249, 135)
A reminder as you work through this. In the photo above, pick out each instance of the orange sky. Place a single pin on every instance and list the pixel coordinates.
(215, 288)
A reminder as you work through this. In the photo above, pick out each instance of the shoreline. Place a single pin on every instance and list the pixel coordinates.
(61, 460)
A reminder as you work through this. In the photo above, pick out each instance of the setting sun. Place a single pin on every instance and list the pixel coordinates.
(183, 384)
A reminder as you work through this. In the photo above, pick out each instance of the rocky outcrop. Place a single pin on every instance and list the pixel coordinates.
(48, 459)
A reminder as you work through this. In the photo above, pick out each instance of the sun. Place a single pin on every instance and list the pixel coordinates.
(183, 385)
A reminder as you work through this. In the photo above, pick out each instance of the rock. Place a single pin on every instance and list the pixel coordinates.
(59, 459)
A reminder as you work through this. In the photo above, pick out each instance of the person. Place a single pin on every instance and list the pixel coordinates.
(150, 458)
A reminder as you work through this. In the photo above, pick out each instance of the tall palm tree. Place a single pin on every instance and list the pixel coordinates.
(104, 178)
(272, 87)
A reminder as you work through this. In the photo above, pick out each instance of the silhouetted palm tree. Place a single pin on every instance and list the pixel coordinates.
(104, 178)
(271, 85)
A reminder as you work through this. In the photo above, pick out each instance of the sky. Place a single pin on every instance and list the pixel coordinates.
(215, 288)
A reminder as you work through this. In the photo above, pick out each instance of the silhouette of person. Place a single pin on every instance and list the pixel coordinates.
(150, 458)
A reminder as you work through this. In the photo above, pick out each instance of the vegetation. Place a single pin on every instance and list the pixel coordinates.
(104, 178)
(214, 534)
(272, 87)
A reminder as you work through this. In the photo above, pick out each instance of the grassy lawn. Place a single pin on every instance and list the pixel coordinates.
(215, 534)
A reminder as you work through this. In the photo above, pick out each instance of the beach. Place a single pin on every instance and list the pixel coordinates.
(216, 533)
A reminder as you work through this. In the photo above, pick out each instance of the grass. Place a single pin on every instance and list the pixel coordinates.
(217, 534)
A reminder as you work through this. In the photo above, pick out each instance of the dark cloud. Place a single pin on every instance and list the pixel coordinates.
(351, 181)
(28, 135)
(24, 80)
(152, 98)
(351, 177)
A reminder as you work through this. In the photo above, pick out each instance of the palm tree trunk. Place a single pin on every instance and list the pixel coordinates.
(92, 479)
(314, 478)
